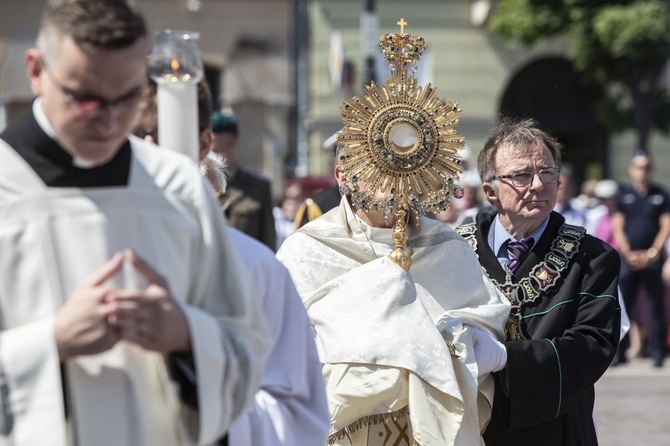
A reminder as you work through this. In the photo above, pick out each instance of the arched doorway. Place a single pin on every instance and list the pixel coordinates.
(549, 91)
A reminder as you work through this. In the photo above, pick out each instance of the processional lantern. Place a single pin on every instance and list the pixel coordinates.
(176, 66)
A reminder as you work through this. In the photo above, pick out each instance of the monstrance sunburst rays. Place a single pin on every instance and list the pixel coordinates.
(396, 112)
(399, 140)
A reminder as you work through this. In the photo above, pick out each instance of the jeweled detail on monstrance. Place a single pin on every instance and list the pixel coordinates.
(399, 141)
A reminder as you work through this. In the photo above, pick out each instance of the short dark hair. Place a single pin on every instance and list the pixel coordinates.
(523, 133)
(149, 95)
(204, 104)
(643, 154)
(100, 23)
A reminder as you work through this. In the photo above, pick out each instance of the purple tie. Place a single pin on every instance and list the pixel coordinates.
(516, 250)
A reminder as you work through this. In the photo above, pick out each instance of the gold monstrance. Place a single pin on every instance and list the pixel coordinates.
(399, 139)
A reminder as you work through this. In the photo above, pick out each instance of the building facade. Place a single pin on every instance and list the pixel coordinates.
(284, 67)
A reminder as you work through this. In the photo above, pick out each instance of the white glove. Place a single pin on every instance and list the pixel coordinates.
(490, 354)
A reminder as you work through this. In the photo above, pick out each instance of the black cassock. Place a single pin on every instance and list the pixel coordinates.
(570, 334)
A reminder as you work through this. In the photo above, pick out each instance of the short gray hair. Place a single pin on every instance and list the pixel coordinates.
(215, 169)
(518, 133)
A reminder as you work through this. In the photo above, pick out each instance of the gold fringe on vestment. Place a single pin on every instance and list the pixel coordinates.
(369, 420)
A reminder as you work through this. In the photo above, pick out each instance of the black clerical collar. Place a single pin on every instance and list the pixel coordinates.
(55, 166)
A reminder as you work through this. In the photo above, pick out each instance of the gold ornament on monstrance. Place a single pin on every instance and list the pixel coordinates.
(399, 139)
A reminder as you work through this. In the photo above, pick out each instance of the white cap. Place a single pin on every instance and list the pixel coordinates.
(465, 153)
(469, 179)
(605, 189)
(330, 142)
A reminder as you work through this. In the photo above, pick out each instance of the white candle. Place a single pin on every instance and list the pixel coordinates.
(178, 117)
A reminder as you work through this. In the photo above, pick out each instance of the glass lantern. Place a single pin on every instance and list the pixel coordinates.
(175, 57)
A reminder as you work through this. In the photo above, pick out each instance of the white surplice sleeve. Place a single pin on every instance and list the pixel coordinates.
(31, 397)
(228, 333)
(291, 406)
(29, 358)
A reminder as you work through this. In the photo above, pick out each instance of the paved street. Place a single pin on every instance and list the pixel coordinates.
(633, 405)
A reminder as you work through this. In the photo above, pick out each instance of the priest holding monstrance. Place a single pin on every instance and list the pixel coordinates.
(398, 302)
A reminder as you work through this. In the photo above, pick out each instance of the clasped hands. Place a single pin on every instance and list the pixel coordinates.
(97, 315)
(638, 259)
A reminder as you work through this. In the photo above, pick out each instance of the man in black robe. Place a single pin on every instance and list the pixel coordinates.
(564, 326)
(247, 202)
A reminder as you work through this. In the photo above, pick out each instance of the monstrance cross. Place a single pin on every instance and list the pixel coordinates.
(402, 24)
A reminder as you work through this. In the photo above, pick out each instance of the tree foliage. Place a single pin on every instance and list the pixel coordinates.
(620, 46)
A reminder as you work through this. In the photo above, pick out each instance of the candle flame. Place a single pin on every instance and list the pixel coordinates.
(174, 64)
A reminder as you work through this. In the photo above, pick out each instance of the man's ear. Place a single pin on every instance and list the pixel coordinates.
(490, 193)
(339, 175)
(206, 142)
(34, 67)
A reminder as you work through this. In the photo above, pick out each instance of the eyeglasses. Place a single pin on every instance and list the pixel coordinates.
(548, 175)
(86, 103)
